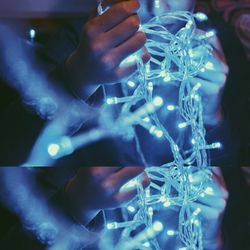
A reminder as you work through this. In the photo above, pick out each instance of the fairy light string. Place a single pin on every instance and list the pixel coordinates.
(172, 62)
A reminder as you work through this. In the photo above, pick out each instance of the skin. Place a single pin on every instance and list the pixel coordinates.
(104, 183)
(105, 42)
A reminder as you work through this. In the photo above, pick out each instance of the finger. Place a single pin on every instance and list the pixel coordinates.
(125, 71)
(206, 212)
(208, 87)
(121, 32)
(215, 64)
(101, 173)
(116, 181)
(132, 45)
(122, 197)
(113, 16)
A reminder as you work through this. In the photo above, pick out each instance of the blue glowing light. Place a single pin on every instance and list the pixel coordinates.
(53, 149)
(158, 226)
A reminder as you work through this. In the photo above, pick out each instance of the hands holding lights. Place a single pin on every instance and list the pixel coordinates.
(97, 188)
(213, 79)
(107, 40)
(211, 207)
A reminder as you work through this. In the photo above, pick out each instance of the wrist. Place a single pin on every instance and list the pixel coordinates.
(76, 206)
(78, 83)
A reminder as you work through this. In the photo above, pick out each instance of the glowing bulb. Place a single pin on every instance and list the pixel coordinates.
(182, 125)
(131, 209)
(209, 65)
(146, 244)
(167, 77)
(53, 149)
(170, 107)
(158, 226)
(158, 101)
(170, 232)
(210, 34)
(150, 87)
(131, 84)
(209, 191)
(110, 101)
(129, 185)
(146, 119)
(131, 59)
(159, 133)
(216, 145)
(200, 16)
(197, 211)
(193, 141)
(167, 203)
(32, 34)
(111, 226)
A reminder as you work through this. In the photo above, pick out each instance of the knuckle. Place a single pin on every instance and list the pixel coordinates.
(124, 8)
(134, 22)
(142, 38)
(97, 48)
(107, 62)
(89, 29)
(107, 188)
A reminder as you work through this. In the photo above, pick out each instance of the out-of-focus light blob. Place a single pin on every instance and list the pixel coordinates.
(53, 149)
(158, 226)
(158, 101)
(170, 232)
(201, 16)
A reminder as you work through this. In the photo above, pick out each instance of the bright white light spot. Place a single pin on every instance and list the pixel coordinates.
(189, 24)
(158, 101)
(200, 16)
(157, 4)
(197, 87)
(193, 141)
(130, 59)
(202, 195)
(32, 34)
(182, 248)
(167, 77)
(146, 119)
(146, 244)
(170, 232)
(209, 191)
(216, 145)
(170, 107)
(209, 65)
(167, 203)
(131, 209)
(158, 226)
(53, 149)
(111, 226)
(129, 185)
(210, 33)
(159, 133)
(150, 211)
(110, 101)
(182, 125)
(197, 211)
(131, 84)
(150, 86)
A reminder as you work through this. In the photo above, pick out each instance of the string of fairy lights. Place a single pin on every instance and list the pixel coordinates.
(173, 61)
(171, 184)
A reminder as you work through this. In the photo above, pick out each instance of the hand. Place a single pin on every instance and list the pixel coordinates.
(97, 188)
(213, 79)
(212, 206)
(106, 40)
